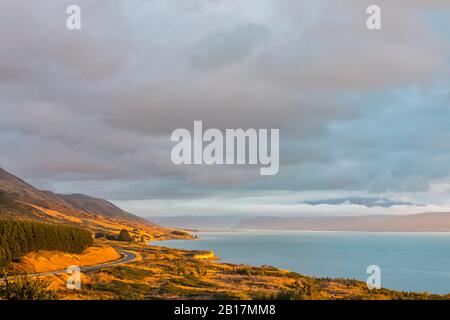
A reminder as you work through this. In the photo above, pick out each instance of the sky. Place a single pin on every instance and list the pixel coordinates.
(362, 114)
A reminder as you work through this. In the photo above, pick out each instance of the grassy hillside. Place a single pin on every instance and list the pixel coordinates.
(164, 273)
(11, 208)
(20, 199)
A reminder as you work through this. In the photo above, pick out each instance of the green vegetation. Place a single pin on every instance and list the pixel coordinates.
(125, 272)
(193, 282)
(124, 235)
(99, 235)
(25, 288)
(165, 273)
(18, 237)
(308, 290)
(262, 271)
(180, 233)
(122, 290)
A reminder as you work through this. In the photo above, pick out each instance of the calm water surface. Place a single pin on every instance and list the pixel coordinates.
(408, 261)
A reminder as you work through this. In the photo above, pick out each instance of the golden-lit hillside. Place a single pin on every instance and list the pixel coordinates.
(164, 273)
(18, 199)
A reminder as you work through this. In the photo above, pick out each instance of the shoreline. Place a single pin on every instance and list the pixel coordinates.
(303, 271)
(166, 273)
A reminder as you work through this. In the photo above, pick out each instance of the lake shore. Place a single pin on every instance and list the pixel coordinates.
(338, 254)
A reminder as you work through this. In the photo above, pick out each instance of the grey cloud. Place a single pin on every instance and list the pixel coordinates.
(95, 108)
(335, 50)
(227, 47)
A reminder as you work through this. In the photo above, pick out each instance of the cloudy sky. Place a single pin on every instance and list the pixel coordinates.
(362, 114)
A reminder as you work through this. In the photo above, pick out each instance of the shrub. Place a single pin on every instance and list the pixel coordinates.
(99, 235)
(25, 288)
(125, 236)
(179, 233)
(306, 291)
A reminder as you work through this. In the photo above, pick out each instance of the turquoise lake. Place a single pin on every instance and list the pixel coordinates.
(408, 261)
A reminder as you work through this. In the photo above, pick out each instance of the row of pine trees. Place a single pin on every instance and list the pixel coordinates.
(18, 237)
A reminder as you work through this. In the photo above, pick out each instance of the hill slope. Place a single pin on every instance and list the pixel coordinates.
(20, 199)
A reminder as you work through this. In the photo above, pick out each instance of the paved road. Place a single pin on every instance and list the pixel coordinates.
(126, 257)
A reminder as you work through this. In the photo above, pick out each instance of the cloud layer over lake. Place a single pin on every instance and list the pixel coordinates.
(360, 113)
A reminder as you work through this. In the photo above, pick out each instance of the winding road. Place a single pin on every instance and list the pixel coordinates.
(127, 256)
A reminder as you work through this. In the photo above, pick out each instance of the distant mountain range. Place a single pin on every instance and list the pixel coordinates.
(362, 201)
(425, 222)
(198, 222)
(20, 199)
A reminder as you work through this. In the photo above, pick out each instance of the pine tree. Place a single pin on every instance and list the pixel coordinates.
(18, 237)
(124, 235)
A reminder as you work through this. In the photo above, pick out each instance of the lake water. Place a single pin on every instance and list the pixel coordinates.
(408, 261)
